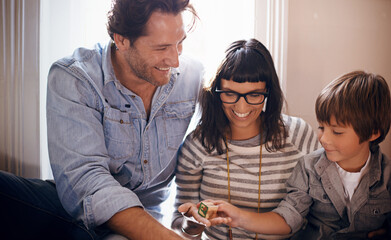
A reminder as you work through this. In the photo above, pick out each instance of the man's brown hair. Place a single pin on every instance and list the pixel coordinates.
(128, 18)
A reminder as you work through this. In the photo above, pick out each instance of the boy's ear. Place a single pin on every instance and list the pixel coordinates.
(374, 136)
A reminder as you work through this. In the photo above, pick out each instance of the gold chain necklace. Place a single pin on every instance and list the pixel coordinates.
(259, 183)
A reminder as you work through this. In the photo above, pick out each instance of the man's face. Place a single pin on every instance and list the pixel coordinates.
(152, 56)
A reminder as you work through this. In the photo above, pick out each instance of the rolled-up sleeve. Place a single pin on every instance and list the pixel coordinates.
(295, 206)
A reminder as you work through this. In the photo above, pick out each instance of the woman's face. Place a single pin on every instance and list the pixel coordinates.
(244, 118)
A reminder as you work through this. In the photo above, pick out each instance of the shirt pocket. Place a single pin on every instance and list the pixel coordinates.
(322, 204)
(120, 134)
(177, 117)
(373, 214)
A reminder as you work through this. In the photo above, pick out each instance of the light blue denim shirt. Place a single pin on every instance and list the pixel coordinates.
(105, 154)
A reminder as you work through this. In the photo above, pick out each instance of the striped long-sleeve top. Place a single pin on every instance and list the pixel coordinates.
(201, 175)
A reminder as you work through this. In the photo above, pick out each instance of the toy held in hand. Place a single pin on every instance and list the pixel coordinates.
(207, 210)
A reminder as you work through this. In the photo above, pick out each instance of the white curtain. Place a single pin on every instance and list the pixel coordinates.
(19, 87)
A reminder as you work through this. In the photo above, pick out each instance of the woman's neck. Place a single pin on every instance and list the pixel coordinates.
(245, 133)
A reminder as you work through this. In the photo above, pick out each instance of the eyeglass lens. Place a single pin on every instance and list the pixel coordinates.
(251, 98)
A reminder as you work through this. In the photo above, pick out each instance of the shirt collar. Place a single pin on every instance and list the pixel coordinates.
(107, 67)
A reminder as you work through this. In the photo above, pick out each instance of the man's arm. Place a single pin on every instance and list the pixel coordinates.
(78, 153)
(135, 223)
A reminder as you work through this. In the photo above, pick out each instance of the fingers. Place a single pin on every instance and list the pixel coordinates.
(217, 202)
(202, 220)
(191, 210)
(220, 220)
(186, 207)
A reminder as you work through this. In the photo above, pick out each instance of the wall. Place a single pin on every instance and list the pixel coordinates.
(329, 38)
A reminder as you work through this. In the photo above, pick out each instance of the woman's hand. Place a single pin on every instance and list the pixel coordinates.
(226, 213)
(191, 210)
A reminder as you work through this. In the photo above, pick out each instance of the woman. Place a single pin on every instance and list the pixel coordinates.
(243, 149)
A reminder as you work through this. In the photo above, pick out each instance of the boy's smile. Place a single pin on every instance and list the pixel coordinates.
(342, 145)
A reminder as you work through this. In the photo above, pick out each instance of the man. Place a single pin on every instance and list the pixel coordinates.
(116, 116)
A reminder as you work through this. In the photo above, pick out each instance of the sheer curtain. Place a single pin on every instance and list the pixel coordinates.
(19, 87)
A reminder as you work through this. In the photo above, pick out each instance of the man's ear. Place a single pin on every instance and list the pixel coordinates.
(121, 42)
(374, 136)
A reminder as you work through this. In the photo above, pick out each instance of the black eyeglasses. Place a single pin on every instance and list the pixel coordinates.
(253, 98)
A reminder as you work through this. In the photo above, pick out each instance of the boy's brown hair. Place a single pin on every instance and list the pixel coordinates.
(359, 99)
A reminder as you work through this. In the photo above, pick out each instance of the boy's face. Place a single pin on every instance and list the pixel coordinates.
(342, 145)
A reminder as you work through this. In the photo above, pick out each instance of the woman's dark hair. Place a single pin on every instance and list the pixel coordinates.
(245, 61)
(129, 17)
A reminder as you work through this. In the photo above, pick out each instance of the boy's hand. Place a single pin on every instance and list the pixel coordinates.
(226, 214)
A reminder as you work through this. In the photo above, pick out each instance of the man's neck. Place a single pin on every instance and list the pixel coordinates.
(126, 77)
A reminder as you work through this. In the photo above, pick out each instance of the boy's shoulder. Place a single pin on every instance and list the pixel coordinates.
(316, 160)
(380, 161)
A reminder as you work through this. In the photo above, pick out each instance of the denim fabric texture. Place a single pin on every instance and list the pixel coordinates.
(106, 155)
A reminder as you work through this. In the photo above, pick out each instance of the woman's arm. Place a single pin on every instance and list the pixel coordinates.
(188, 179)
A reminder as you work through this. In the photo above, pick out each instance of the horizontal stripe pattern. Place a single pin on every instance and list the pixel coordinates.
(204, 176)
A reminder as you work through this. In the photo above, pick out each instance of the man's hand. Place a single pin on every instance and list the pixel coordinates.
(135, 223)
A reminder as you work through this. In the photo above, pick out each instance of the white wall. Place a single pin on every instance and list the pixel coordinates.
(329, 38)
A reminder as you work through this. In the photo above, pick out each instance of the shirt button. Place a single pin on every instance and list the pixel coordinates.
(145, 161)
(376, 211)
(121, 121)
(133, 96)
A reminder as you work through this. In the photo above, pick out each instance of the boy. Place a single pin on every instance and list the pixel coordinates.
(343, 189)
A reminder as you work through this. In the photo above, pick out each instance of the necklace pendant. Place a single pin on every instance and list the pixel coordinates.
(230, 234)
